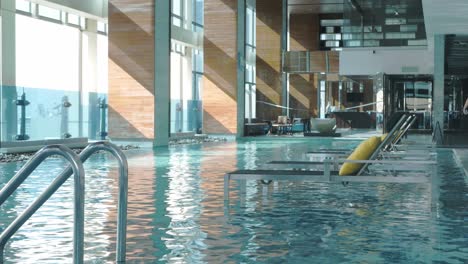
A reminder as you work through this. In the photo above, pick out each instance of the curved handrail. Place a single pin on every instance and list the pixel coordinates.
(76, 167)
(437, 132)
(123, 191)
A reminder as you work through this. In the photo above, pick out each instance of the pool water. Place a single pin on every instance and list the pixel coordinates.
(177, 213)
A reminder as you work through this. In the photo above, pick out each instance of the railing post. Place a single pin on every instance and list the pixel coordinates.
(326, 168)
(64, 127)
(103, 106)
(22, 103)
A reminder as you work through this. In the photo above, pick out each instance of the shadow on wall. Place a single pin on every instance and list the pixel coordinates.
(121, 127)
(232, 4)
(131, 70)
(131, 48)
(270, 13)
(306, 89)
(214, 124)
(219, 68)
(268, 91)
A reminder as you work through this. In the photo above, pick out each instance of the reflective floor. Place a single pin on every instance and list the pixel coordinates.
(177, 212)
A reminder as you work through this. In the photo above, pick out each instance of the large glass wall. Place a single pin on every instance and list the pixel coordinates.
(409, 93)
(61, 71)
(186, 66)
(380, 23)
(47, 72)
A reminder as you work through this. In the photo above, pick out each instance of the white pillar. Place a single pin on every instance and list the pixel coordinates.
(89, 79)
(8, 109)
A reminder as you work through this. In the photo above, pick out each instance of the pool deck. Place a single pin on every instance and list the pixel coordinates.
(462, 156)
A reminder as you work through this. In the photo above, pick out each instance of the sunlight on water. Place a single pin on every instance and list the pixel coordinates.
(177, 213)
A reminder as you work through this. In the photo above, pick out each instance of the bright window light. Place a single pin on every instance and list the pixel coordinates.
(48, 12)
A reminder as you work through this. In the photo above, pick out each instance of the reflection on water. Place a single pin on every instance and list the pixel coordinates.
(176, 212)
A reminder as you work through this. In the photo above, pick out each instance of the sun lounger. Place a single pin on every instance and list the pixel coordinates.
(417, 172)
(398, 129)
(400, 171)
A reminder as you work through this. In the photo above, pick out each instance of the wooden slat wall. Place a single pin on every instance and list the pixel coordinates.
(318, 61)
(268, 61)
(304, 35)
(304, 31)
(131, 68)
(220, 66)
(334, 61)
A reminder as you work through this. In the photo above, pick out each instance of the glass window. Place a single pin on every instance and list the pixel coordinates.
(83, 22)
(419, 42)
(177, 12)
(322, 99)
(330, 43)
(373, 29)
(198, 12)
(353, 43)
(48, 12)
(197, 61)
(177, 7)
(24, 6)
(398, 35)
(330, 29)
(331, 22)
(373, 36)
(330, 36)
(73, 19)
(408, 28)
(371, 43)
(101, 27)
(50, 75)
(250, 55)
(395, 21)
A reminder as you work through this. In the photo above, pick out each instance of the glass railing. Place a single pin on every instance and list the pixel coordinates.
(311, 61)
(39, 114)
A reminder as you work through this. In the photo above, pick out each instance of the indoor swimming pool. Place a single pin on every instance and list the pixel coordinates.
(177, 212)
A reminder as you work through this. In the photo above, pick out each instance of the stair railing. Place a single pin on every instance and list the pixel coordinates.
(123, 191)
(76, 167)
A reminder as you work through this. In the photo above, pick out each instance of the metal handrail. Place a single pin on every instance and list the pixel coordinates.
(123, 191)
(437, 132)
(404, 130)
(76, 167)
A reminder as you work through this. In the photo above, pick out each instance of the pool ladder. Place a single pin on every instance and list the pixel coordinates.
(75, 168)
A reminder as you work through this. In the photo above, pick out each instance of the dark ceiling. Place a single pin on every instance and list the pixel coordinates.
(315, 6)
(408, 7)
(456, 52)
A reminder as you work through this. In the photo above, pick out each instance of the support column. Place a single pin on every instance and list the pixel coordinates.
(241, 9)
(89, 81)
(8, 95)
(438, 89)
(284, 48)
(162, 72)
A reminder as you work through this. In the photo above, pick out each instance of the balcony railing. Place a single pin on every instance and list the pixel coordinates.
(311, 61)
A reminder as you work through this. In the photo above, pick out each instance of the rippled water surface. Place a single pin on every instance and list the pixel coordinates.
(177, 213)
